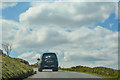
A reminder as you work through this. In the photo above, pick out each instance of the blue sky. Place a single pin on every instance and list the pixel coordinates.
(36, 36)
(111, 20)
(12, 13)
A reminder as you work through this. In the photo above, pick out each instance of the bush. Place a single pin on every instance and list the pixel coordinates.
(15, 68)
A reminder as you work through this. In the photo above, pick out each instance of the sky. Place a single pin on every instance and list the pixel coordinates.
(80, 33)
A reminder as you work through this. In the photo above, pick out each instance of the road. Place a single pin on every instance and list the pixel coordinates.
(64, 74)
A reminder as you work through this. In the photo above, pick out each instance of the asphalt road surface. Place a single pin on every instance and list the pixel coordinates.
(64, 74)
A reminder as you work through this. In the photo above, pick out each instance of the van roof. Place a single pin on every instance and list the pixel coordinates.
(48, 53)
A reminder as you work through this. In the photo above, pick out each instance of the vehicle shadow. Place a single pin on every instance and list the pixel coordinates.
(51, 71)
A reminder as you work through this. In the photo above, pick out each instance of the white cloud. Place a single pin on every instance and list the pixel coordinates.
(25, 55)
(7, 4)
(9, 0)
(67, 15)
(9, 29)
(93, 0)
(30, 56)
(118, 12)
(0, 36)
(95, 46)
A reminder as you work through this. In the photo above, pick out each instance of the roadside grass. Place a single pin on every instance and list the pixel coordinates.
(34, 66)
(14, 68)
(100, 71)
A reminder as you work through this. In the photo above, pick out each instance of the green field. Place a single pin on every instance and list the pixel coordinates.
(15, 68)
(100, 71)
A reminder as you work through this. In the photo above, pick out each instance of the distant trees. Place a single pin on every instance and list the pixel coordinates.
(7, 46)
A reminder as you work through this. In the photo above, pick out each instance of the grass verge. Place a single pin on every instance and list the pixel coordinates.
(14, 68)
(100, 71)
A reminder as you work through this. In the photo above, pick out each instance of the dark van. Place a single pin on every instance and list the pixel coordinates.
(48, 61)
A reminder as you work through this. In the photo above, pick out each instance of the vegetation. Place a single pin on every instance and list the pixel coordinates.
(34, 65)
(101, 71)
(15, 68)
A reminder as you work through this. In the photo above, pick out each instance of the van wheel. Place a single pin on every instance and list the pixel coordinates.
(55, 69)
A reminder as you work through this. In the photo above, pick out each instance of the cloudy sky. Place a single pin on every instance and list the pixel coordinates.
(80, 33)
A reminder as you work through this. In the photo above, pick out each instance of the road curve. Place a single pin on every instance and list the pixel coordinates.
(64, 74)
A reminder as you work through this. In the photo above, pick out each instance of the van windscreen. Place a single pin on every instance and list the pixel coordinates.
(49, 56)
